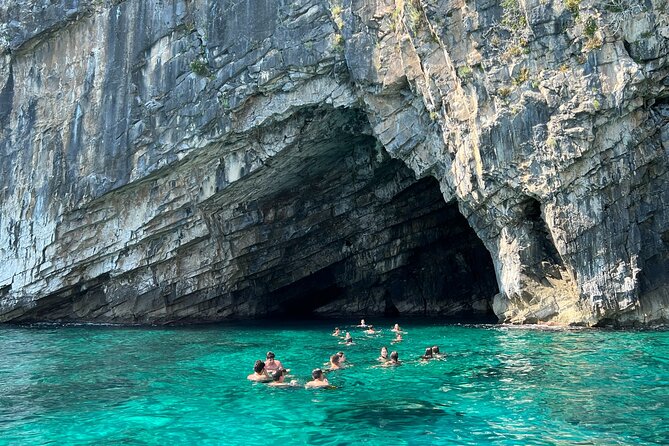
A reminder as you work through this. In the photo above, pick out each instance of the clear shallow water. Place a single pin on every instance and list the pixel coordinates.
(105, 385)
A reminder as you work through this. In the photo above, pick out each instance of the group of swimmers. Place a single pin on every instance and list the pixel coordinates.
(272, 371)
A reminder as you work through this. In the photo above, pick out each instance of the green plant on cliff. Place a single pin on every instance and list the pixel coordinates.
(337, 11)
(573, 6)
(522, 76)
(413, 14)
(513, 16)
(465, 72)
(199, 67)
(590, 27)
(338, 42)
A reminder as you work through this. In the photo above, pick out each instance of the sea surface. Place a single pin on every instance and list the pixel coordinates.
(87, 385)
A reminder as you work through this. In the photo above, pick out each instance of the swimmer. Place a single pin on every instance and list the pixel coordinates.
(435, 352)
(362, 323)
(384, 355)
(394, 360)
(397, 339)
(428, 354)
(334, 362)
(272, 365)
(259, 373)
(319, 380)
(370, 330)
(336, 332)
(348, 339)
(342, 357)
(279, 379)
(396, 328)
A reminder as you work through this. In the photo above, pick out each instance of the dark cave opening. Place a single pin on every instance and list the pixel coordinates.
(350, 231)
(543, 250)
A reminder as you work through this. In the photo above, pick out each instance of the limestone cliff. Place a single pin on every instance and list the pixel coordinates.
(193, 160)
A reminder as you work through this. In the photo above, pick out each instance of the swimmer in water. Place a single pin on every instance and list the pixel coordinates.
(336, 332)
(384, 355)
(428, 355)
(259, 373)
(398, 338)
(272, 365)
(348, 339)
(342, 357)
(394, 360)
(396, 328)
(436, 353)
(319, 380)
(370, 330)
(279, 379)
(334, 362)
(362, 323)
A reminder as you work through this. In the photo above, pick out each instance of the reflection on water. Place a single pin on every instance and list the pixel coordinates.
(93, 385)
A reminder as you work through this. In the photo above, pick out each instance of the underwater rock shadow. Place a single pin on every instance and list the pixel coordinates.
(384, 413)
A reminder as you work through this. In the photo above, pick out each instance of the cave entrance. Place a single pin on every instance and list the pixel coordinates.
(336, 228)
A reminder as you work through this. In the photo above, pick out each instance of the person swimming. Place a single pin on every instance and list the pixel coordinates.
(384, 354)
(279, 379)
(348, 339)
(259, 373)
(396, 328)
(370, 330)
(272, 365)
(336, 332)
(319, 380)
(362, 324)
(394, 360)
(398, 338)
(335, 362)
(436, 353)
(428, 354)
(342, 357)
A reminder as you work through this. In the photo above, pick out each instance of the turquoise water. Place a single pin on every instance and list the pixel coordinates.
(144, 386)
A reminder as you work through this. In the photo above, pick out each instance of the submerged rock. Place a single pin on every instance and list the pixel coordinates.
(194, 160)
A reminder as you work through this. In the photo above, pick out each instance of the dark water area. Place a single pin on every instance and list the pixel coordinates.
(187, 385)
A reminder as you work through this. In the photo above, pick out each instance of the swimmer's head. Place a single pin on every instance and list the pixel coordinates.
(435, 349)
(334, 359)
(317, 374)
(259, 366)
(279, 373)
(270, 355)
(394, 356)
(428, 351)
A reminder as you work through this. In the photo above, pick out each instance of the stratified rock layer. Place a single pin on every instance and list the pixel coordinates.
(198, 160)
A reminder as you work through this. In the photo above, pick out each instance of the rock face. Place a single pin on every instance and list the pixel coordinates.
(195, 160)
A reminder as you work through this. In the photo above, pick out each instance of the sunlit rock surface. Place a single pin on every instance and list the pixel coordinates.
(177, 161)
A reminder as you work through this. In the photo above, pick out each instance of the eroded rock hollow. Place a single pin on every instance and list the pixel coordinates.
(197, 160)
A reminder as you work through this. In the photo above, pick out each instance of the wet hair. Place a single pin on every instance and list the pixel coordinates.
(334, 359)
(435, 349)
(316, 373)
(428, 352)
(259, 366)
(279, 373)
(394, 356)
(270, 355)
